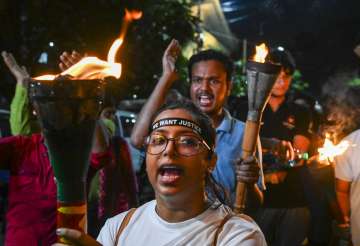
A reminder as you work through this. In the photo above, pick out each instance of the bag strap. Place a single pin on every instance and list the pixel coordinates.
(221, 226)
(124, 223)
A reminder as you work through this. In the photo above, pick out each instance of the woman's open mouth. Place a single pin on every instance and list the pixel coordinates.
(169, 174)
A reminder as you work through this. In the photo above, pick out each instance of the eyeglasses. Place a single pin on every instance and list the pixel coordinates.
(186, 145)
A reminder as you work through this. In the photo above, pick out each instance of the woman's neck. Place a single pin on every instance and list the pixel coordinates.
(178, 211)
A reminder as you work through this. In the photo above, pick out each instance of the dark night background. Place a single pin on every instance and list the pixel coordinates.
(321, 34)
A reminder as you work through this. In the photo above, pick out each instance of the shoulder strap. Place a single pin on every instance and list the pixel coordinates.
(219, 229)
(124, 223)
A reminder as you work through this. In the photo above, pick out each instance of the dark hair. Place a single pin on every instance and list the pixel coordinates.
(214, 189)
(210, 54)
(341, 100)
(283, 57)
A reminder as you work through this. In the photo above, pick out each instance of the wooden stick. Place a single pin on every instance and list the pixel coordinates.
(248, 149)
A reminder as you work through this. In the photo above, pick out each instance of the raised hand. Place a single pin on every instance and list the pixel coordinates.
(169, 59)
(20, 73)
(67, 60)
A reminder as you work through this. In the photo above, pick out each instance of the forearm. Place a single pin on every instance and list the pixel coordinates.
(20, 114)
(157, 98)
(269, 144)
(342, 188)
(101, 141)
(344, 205)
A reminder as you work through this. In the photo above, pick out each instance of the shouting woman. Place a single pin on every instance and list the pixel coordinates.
(189, 208)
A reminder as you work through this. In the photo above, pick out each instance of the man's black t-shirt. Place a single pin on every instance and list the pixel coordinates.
(289, 120)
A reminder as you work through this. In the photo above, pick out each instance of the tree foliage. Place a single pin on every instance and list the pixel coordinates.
(91, 26)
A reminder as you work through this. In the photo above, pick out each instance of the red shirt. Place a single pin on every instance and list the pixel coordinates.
(31, 215)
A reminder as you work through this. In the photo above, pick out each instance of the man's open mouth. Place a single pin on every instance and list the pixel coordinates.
(205, 99)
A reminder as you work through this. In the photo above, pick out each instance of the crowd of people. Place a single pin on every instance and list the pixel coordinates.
(192, 150)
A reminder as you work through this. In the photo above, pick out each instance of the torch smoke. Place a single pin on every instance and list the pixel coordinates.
(342, 106)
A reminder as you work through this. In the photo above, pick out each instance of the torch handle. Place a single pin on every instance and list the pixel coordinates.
(248, 149)
(71, 215)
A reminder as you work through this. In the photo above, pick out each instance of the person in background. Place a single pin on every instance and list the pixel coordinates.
(22, 118)
(284, 216)
(210, 74)
(344, 124)
(113, 188)
(31, 215)
(189, 208)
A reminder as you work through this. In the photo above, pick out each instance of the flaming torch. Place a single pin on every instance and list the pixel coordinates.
(329, 150)
(260, 77)
(68, 106)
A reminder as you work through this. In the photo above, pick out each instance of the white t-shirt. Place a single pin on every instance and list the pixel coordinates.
(347, 168)
(147, 228)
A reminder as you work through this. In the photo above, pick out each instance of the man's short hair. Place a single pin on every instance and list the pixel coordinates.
(283, 57)
(207, 55)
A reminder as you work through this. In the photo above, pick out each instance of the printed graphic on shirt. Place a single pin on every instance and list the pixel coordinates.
(290, 122)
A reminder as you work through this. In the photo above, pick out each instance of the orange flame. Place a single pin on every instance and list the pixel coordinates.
(93, 67)
(330, 150)
(261, 53)
(132, 15)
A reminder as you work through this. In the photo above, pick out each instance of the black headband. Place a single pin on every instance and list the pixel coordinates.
(181, 122)
(177, 122)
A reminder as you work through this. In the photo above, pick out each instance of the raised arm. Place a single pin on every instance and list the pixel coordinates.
(21, 120)
(158, 95)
